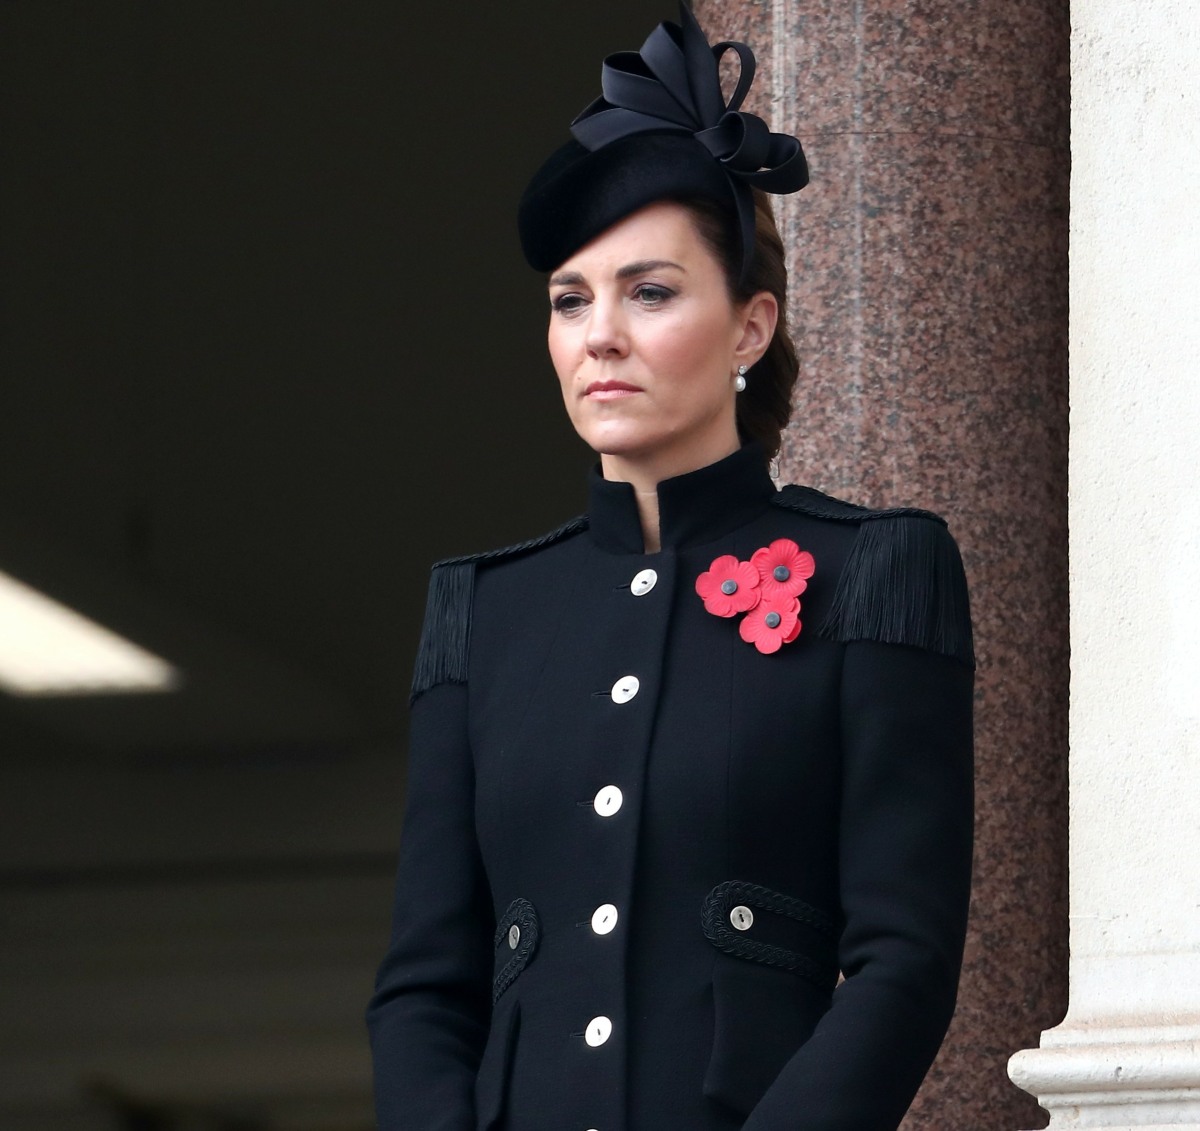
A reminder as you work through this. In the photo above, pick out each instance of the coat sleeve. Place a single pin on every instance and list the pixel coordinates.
(906, 827)
(429, 1014)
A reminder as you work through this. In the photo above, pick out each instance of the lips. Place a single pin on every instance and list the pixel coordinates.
(608, 390)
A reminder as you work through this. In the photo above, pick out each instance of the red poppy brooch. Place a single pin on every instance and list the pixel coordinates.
(767, 589)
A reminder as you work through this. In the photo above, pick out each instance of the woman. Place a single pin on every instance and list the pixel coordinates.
(679, 765)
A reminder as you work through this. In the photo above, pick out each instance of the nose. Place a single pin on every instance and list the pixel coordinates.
(607, 332)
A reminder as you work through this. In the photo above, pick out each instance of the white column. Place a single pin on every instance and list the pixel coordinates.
(1128, 1053)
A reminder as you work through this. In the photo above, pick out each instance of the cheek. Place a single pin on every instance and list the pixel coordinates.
(564, 360)
(559, 346)
(692, 356)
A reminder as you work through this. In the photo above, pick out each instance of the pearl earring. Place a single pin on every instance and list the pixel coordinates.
(739, 382)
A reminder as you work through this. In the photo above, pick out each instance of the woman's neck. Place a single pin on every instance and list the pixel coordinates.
(645, 474)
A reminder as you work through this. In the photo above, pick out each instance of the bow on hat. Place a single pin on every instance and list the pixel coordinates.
(674, 83)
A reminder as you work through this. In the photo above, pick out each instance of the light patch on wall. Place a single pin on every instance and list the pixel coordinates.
(48, 649)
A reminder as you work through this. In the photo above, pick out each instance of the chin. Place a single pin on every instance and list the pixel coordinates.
(626, 443)
(610, 435)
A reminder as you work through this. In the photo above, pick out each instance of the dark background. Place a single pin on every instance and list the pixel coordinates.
(267, 349)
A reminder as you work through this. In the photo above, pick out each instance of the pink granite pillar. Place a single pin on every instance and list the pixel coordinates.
(929, 282)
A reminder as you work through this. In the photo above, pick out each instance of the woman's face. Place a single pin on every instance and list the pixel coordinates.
(646, 343)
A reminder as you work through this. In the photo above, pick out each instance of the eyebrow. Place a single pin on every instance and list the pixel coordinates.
(641, 267)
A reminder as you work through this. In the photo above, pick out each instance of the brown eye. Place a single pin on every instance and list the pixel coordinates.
(567, 304)
(651, 295)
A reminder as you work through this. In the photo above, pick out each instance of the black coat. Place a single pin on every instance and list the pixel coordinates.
(569, 956)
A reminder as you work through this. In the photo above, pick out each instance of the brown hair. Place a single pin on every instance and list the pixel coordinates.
(765, 407)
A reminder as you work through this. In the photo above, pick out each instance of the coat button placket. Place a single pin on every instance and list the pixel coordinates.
(626, 642)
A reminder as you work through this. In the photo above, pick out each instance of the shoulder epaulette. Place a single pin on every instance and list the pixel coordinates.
(903, 581)
(446, 633)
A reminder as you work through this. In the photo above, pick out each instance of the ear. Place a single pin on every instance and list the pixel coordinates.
(758, 320)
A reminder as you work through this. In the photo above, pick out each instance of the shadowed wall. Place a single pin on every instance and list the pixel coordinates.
(267, 349)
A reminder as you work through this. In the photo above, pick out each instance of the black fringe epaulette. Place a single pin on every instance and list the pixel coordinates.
(903, 582)
(446, 634)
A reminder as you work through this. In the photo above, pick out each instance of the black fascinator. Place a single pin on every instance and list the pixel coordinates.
(661, 130)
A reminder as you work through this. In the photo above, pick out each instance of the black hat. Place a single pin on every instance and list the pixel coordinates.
(661, 130)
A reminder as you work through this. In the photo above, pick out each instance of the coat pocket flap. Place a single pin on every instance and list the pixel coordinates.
(517, 934)
(764, 926)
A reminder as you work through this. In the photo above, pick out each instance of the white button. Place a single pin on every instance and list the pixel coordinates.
(514, 936)
(625, 688)
(608, 801)
(598, 1031)
(604, 918)
(742, 918)
(643, 582)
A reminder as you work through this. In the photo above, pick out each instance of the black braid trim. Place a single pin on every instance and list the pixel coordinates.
(579, 522)
(524, 915)
(724, 897)
(809, 501)
(446, 634)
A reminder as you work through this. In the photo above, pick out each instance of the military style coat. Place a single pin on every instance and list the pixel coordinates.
(653, 878)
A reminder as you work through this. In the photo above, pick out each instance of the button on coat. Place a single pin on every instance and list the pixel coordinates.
(608, 801)
(625, 688)
(604, 919)
(643, 581)
(598, 1031)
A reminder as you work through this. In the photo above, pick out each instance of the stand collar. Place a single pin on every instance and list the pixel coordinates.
(694, 508)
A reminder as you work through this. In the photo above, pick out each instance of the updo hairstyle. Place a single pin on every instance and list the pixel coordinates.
(765, 406)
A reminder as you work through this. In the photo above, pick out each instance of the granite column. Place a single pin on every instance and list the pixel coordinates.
(928, 263)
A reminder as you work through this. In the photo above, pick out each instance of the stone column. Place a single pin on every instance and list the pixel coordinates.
(928, 262)
(1128, 1053)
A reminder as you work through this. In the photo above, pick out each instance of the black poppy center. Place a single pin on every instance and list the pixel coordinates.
(781, 573)
(773, 620)
(729, 588)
